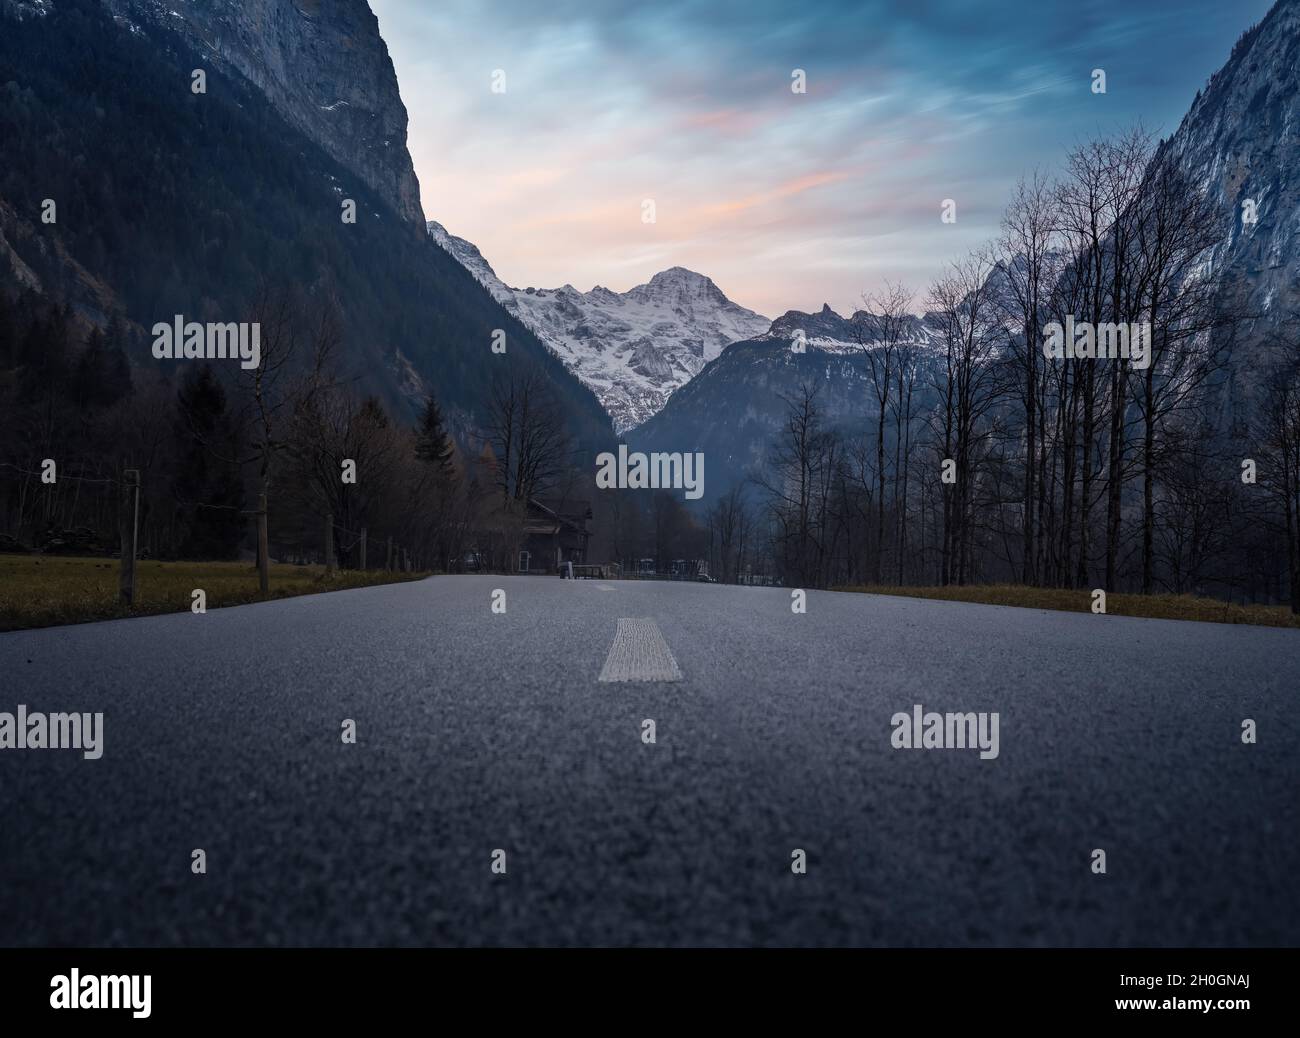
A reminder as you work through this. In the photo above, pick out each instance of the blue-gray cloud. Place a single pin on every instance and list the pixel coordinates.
(786, 200)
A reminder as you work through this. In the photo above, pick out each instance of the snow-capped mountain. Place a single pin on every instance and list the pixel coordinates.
(632, 349)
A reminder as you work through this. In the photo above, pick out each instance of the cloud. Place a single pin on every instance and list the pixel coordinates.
(688, 102)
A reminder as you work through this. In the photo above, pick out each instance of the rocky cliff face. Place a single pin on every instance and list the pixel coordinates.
(195, 204)
(1241, 143)
(25, 9)
(324, 66)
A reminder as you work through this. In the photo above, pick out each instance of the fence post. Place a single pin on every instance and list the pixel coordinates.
(329, 544)
(388, 563)
(129, 528)
(363, 548)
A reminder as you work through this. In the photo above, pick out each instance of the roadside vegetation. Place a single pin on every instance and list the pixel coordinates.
(1159, 607)
(45, 591)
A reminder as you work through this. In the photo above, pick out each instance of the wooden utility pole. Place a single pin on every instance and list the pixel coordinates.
(129, 528)
(329, 545)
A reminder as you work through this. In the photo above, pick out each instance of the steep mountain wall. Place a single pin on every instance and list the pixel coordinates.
(324, 66)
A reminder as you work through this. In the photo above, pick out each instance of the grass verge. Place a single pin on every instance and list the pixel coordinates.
(48, 590)
(1160, 607)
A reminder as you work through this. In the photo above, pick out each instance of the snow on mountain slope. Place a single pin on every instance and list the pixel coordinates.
(828, 332)
(632, 349)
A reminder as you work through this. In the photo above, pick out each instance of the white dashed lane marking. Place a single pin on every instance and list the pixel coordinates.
(639, 653)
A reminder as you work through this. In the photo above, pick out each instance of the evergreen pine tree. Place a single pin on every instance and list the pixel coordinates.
(433, 445)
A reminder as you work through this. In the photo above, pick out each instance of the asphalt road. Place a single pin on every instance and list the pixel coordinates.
(478, 731)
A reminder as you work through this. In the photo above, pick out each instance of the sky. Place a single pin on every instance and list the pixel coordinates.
(786, 200)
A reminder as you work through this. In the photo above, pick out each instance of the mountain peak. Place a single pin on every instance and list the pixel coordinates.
(682, 287)
(825, 324)
(632, 349)
(675, 275)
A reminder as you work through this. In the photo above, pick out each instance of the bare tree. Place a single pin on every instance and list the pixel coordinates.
(967, 387)
(1097, 199)
(729, 525)
(285, 381)
(798, 487)
(1176, 229)
(1030, 261)
(879, 337)
(527, 431)
(1280, 461)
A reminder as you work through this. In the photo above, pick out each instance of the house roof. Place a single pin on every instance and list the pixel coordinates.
(543, 516)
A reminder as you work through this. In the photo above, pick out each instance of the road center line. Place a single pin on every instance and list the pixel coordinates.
(639, 653)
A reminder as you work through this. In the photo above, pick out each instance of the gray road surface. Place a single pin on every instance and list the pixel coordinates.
(479, 732)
